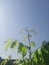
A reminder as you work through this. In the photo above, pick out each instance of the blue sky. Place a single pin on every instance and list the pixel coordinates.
(16, 15)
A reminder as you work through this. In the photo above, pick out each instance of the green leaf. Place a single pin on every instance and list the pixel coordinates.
(32, 30)
(4, 62)
(32, 44)
(35, 58)
(27, 47)
(20, 47)
(9, 42)
(25, 38)
(24, 50)
(14, 44)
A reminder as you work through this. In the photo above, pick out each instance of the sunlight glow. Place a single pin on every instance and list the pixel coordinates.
(2, 18)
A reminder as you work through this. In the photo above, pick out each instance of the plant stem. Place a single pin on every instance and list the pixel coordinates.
(29, 45)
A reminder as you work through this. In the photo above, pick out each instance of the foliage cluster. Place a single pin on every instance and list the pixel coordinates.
(40, 56)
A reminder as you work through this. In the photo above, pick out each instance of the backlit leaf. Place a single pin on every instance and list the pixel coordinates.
(32, 44)
(26, 37)
(9, 42)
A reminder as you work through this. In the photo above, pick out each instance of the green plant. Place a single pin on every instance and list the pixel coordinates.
(41, 55)
(22, 48)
